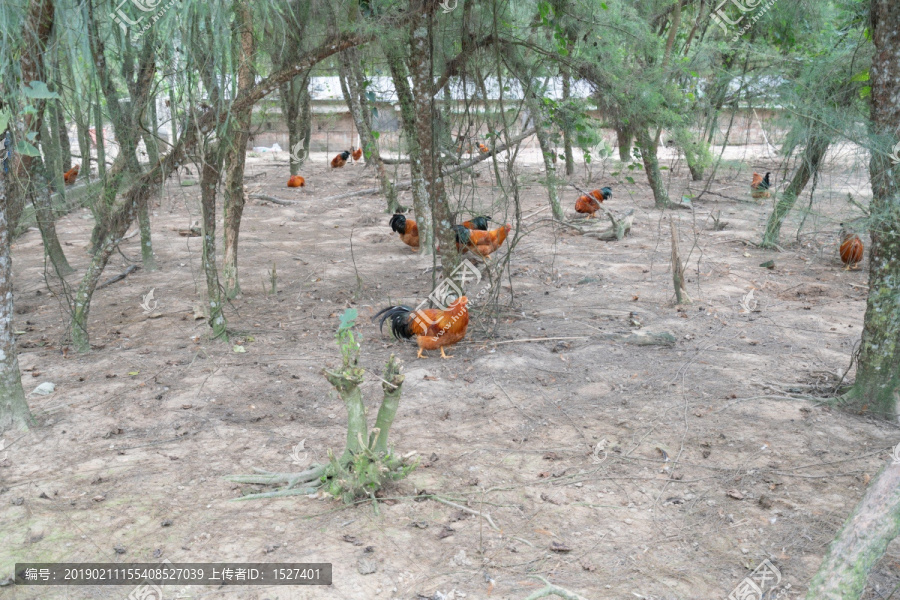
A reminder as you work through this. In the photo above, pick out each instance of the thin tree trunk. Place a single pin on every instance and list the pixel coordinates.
(623, 139)
(14, 411)
(813, 154)
(295, 107)
(101, 146)
(50, 149)
(651, 167)
(39, 190)
(209, 181)
(350, 86)
(421, 70)
(57, 112)
(236, 152)
(877, 387)
(537, 117)
(408, 119)
(862, 541)
(567, 130)
(40, 24)
(151, 133)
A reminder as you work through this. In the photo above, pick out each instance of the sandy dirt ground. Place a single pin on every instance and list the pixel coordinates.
(611, 469)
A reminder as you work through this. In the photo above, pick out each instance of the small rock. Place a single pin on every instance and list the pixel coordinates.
(352, 540)
(119, 549)
(461, 560)
(419, 524)
(446, 532)
(734, 494)
(765, 502)
(17, 501)
(167, 523)
(559, 547)
(45, 389)
(44, 496)
(366, 566)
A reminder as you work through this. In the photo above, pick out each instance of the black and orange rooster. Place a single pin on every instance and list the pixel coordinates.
(482, 243)
(851, 248)
(484, 149)
(432, 328)
(357, 154)
(408, 230)
(296, 181)
(759, 187)
(480, 223)
(590, 204)
(71, 175)
(340, 160)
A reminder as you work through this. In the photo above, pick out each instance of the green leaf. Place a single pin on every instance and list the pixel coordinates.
(865, 92)
(5, 117)
(629, 179)
(26, 149)
(863, 76)
(133, 373)
(348, 319)
(376, 134)
(40, 91)
(604, 6)
(238, 349)
(664, 168)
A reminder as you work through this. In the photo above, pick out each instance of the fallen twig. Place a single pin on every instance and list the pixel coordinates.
(553, 590)
(274, 200)
(485, 516)
(131, 269)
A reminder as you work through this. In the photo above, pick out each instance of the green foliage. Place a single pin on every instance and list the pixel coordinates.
(346, 340)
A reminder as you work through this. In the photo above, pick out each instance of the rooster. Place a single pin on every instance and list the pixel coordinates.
(340, 160)
(408, 230)
(480, 223)
(484, 149)
(482, 243)
(296, 181)
(357, 154)
(71, 175)
(433, 328)
(759, 187)
(851, 248)
(590, 204)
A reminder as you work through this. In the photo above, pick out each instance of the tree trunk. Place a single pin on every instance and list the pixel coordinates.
(14, 411)
(623, 139)
(391, 385)
(813, 154)
(209, 181)
(408, 119)
(151, 133)
(57, 113)
(295, 107)
(236, 152)
(651, 167)
(567, 129)
(51, 151)
(877, 386)
(98, 133)
(538, 118)
(39, 190)
(40, 23)
(421, 69)
(352, 94)
(862, 541)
